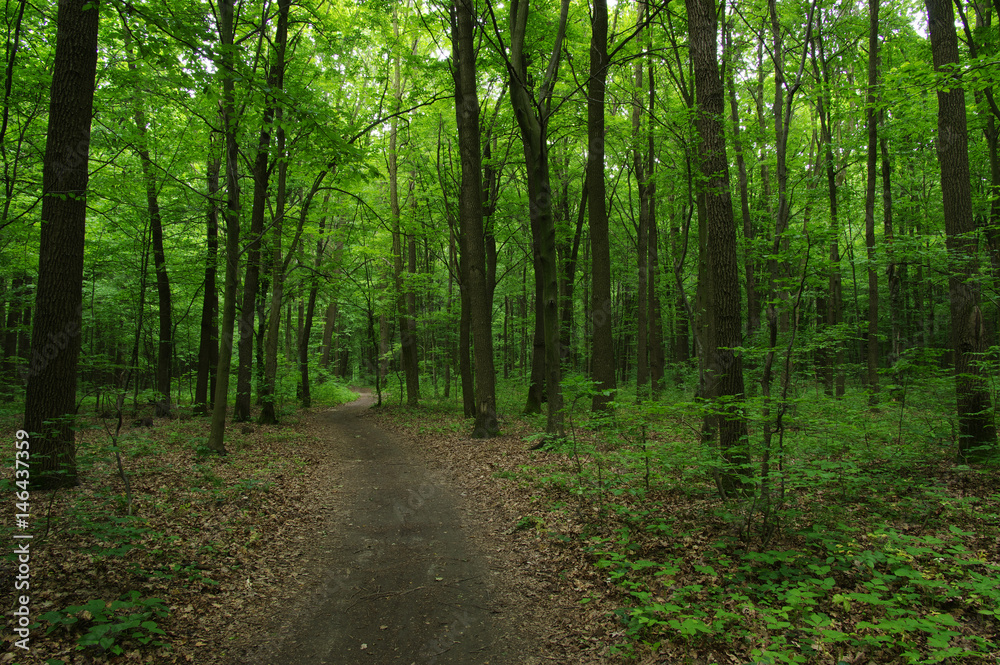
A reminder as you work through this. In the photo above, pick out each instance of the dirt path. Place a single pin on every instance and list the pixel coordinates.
(402, 582)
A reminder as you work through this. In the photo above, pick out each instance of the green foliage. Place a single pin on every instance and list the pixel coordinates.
(861, 544)
(111, 626)
(330, 391)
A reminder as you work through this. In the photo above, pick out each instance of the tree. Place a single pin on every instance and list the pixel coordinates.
(977, 436)
(262, 168)
(268, 414)
(50, 401)
(405, 304)
(604, 352)
(471, 216)
(227, 112)
(724, 365)
(532, 112)
(208, 346)
(872, 126)
(165, 343)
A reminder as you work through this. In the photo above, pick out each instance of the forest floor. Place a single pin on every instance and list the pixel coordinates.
(402, 573)
(336, 537)
(352, 534)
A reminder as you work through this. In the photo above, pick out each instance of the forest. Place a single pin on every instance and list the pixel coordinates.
(724, 273)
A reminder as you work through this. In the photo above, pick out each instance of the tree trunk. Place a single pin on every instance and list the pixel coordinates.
(464, 346)
(976, 431)
(50, 401)
(872, 165)
(306, 319)
(18, 319)
(251, 283)
(471, 216)
(165, 346)
(268, 414)
(407, 325)
(208, 346)
(536, 377)
(329, 324)
(749, 256)
(831, 362)
(604, 353)
(532, 119)
(724, 366)
(216, 437)
(642, 230)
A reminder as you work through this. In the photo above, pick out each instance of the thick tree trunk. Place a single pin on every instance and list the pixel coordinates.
(464, 346)
(724, 368)
(536, 377)
(976, 431)
(216, 437)
(208, 345)
(471, 216)
(50, 401)
(604, 352)
(268, 414)
(532, 119)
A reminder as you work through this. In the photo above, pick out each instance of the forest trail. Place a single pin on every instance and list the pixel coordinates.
(402, 582)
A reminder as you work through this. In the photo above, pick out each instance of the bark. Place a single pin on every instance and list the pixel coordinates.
(404, 304)
(568, 277)
(307, 312)
(251, 283)
(536, 378)
(655, 340)
(268, 415)
(306, 319)
(165, 345)
(977, 433)
(831, 361)
(208, 346)
(216, 437)
(872, 164)
(642, 230)
(893, 272)
(329, 324)
(604, 353)
(50, 400)
(471, 216)
(749, 258)
(724, 368)
(465, 334)
(532, 115)
(10, 166)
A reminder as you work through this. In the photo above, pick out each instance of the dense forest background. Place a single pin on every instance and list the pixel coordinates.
(745, 200)
(746, 247)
